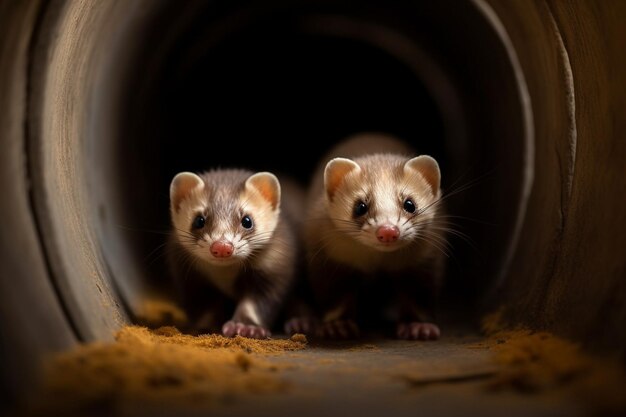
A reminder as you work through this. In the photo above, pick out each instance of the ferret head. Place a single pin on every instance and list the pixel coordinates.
(383, 201)
(224, 216)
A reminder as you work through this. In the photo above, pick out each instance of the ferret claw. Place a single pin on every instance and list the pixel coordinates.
(338, 329)
(232, 328)
(418, 331)
(304, 325)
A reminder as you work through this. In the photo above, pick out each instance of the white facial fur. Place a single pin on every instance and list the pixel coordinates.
(383, 183)
(220, 198)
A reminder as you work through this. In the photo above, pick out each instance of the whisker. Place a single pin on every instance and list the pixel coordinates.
(436, 245)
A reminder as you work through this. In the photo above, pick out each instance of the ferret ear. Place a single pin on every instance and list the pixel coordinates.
(428, 168)
(267, 185)
(336, 170)
(182, 185)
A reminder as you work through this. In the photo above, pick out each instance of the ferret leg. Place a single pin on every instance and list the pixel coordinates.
(257, 309)
(205, 306)
(248, 321)
(339, 322)
(335, 288)
(417, 330)
(416, 301)
(301, 319)
(207, 315)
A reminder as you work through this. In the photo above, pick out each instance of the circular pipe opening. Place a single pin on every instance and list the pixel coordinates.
(195, 86)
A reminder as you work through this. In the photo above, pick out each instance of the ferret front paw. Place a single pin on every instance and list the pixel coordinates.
(305, 324)
(338, 329)
(232, 328)
(418, 331)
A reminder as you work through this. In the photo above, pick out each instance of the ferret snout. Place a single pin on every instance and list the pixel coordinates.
(221, 249)
(387, 233)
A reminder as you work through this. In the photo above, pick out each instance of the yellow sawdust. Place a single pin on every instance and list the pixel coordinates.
(160, 369)
(170, 335)
(539, 362)
(493, 322)
(155, 312)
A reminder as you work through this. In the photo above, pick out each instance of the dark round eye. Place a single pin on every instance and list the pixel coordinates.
(246, 222)
(409, 205)
(198, 222)
(360, 208)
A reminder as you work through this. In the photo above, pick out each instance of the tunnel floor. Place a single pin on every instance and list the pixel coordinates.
(165, 372)
(396, 378)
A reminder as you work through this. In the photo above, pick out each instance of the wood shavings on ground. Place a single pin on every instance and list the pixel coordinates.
(154, 312)
(160, 369)
(542, 363)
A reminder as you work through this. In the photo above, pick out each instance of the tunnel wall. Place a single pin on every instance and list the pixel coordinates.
(569, 272)
(566, 274)
(32, 320)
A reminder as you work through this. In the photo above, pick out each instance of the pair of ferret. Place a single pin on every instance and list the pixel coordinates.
(369, 232)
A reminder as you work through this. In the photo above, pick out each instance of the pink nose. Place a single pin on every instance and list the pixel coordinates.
(387, 233)
(221, 249)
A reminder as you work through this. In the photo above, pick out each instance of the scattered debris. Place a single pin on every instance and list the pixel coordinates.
(156, 369)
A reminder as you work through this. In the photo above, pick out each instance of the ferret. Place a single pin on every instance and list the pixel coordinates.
(373, 240)
(231, 249)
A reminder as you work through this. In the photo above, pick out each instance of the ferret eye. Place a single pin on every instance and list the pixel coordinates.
(360, 208)
(246, 222)
(198, 222)
(409, 205)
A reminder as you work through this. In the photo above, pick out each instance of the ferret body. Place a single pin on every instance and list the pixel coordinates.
(232, 248)
(372, 238)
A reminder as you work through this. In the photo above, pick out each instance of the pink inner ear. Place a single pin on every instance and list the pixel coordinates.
(428, 168)
(177, 198)
(336, 171)
(269, 193)
(332, 184)
(432, 179)
(182, 185)
(267, 186)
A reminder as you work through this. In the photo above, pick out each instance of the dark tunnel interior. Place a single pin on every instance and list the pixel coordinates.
(274, 88)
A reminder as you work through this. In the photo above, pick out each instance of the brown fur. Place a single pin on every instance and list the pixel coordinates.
(255, 280)
(350, 272)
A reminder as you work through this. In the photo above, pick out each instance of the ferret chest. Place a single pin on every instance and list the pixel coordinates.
(369, 261)
(224, 278)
